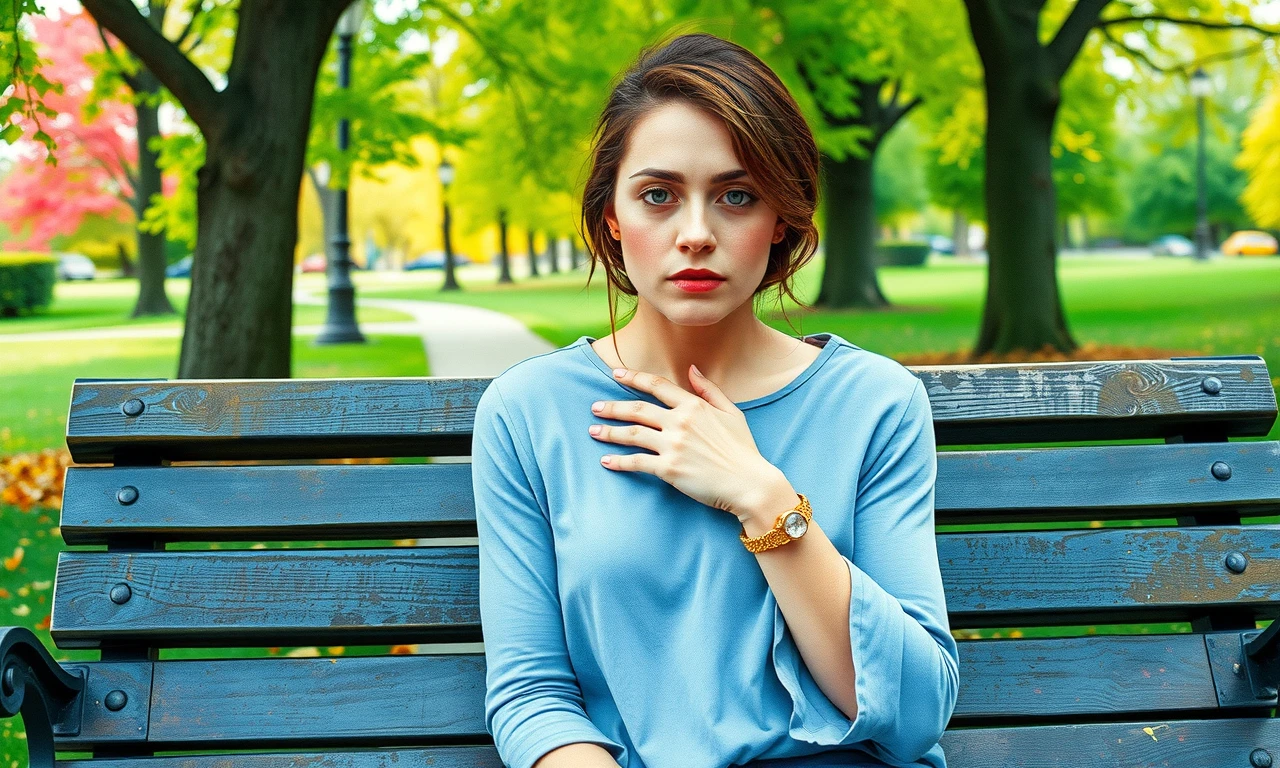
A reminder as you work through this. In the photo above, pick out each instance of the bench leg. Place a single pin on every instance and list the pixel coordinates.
(34, 686)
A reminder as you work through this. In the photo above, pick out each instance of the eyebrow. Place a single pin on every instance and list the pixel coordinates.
(679, 177)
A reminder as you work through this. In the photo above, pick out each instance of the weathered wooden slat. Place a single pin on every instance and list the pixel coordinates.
(246, 703)
(317, 502)
(402, 595)
(1145, 744)
(147, 421)
(435, 757)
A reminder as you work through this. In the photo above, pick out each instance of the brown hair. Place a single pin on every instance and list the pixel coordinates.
(768, 132)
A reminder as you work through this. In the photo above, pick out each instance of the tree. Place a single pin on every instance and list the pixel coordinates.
(90, 173)
(1023, 83)
(1260, 158)
(255, 132)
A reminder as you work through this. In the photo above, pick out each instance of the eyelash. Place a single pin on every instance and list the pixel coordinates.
(752, 198)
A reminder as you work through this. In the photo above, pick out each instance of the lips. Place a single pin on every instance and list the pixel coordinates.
(696, 274)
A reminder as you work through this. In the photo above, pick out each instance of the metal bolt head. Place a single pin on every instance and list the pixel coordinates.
(9, 681)
(1211, 385)
(133, 407)
(1260, 758)
(1221, 470)
(1236, 562)
(121, 593)
(127, 495)
(115, 700)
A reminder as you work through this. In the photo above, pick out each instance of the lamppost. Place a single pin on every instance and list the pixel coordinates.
(340, 321)
(446, 178)
(1201, 86)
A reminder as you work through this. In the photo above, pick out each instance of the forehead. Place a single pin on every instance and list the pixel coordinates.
(678, 136)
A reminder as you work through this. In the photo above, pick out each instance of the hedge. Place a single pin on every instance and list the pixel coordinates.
(902, 253)
(26, 281)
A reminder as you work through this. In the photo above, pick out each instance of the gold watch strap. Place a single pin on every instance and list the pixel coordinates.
(777, 535)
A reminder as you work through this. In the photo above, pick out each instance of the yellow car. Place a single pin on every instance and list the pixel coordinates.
(1249, 242)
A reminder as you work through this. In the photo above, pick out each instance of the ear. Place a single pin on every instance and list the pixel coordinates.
(779, 231)
(611, 217)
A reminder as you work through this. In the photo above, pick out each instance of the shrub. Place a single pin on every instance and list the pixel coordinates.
(26, 281)
(902, 253)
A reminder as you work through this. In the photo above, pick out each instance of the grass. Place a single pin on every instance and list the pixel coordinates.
(108, 303)
(1222, 307)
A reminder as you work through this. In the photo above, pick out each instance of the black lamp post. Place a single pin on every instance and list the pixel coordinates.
(1200, 88)
(340, 321)
(446, 178)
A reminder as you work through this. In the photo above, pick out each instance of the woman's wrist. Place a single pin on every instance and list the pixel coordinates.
(771, 498)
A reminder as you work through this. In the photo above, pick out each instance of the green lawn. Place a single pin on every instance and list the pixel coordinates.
(107, 303)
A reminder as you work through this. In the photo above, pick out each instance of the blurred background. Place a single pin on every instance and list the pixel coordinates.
(314, 188)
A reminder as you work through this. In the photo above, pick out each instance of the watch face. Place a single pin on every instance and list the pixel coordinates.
(795, 525)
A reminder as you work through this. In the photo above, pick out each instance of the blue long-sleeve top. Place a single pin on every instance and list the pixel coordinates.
(619, 611)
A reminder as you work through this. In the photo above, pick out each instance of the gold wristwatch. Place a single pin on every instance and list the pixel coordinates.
(789, 526)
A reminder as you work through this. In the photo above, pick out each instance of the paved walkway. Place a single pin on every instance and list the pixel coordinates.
(460, 340)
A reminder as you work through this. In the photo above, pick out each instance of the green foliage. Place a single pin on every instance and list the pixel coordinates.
(902, 253)
(899, 185)
(26, 281)
(20, 108)
(1260, 158)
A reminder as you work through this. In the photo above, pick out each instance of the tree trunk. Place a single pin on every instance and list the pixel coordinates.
(504, 255)
(238, 322)
(849, 276)
(152, 299)
(959, 234)
(553, 256)
(1023, 308)
(533, 257)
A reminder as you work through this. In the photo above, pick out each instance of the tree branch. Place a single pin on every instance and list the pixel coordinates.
(989, 26)
(1140, 55)
(128, 79)
(1202, 23)
(1066, 44)
(195, 14)
(178, 73)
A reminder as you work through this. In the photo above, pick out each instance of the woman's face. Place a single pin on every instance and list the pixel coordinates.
(683, 200)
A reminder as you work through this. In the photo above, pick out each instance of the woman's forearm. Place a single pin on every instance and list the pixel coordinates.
(583, 755)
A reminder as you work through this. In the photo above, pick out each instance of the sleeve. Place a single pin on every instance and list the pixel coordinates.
(533, 703)
(905, 660)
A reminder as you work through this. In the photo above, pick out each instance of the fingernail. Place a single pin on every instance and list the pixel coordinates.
(597, 407)
(619, 372)
(594, 429)
(695, 370)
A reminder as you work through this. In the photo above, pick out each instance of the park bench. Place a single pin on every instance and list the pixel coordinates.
(179, 453)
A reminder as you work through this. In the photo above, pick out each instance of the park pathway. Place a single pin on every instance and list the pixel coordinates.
(460, 340)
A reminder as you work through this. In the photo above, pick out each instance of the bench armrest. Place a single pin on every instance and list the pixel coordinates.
(1262, 660)
(35, 686)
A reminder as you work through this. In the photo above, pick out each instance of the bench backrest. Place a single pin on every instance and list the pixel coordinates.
(1048, 561)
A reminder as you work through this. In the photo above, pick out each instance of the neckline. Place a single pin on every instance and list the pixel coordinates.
(829, 343)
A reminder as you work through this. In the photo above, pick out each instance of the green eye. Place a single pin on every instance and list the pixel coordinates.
(657, 190)
(746, 197)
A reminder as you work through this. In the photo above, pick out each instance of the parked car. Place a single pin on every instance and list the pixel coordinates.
(1172, 245)
(941, 244)
(180, 268)
(434, 260)
(75, 266)
(316, 262)
(1249, 242)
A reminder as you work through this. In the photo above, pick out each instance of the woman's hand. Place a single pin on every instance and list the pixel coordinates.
(701, 444)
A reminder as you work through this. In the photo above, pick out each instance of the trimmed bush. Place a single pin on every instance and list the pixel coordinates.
(902, 253)
(26, 281)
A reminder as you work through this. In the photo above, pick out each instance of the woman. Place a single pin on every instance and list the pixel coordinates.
(655, 590)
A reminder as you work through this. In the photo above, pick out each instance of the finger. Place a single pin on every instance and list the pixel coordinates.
(709, 390)
(639, 411)
(631, 462)
(632, 434)
(660, 387)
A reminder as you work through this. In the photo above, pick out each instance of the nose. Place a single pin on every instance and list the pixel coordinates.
(695, 229)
